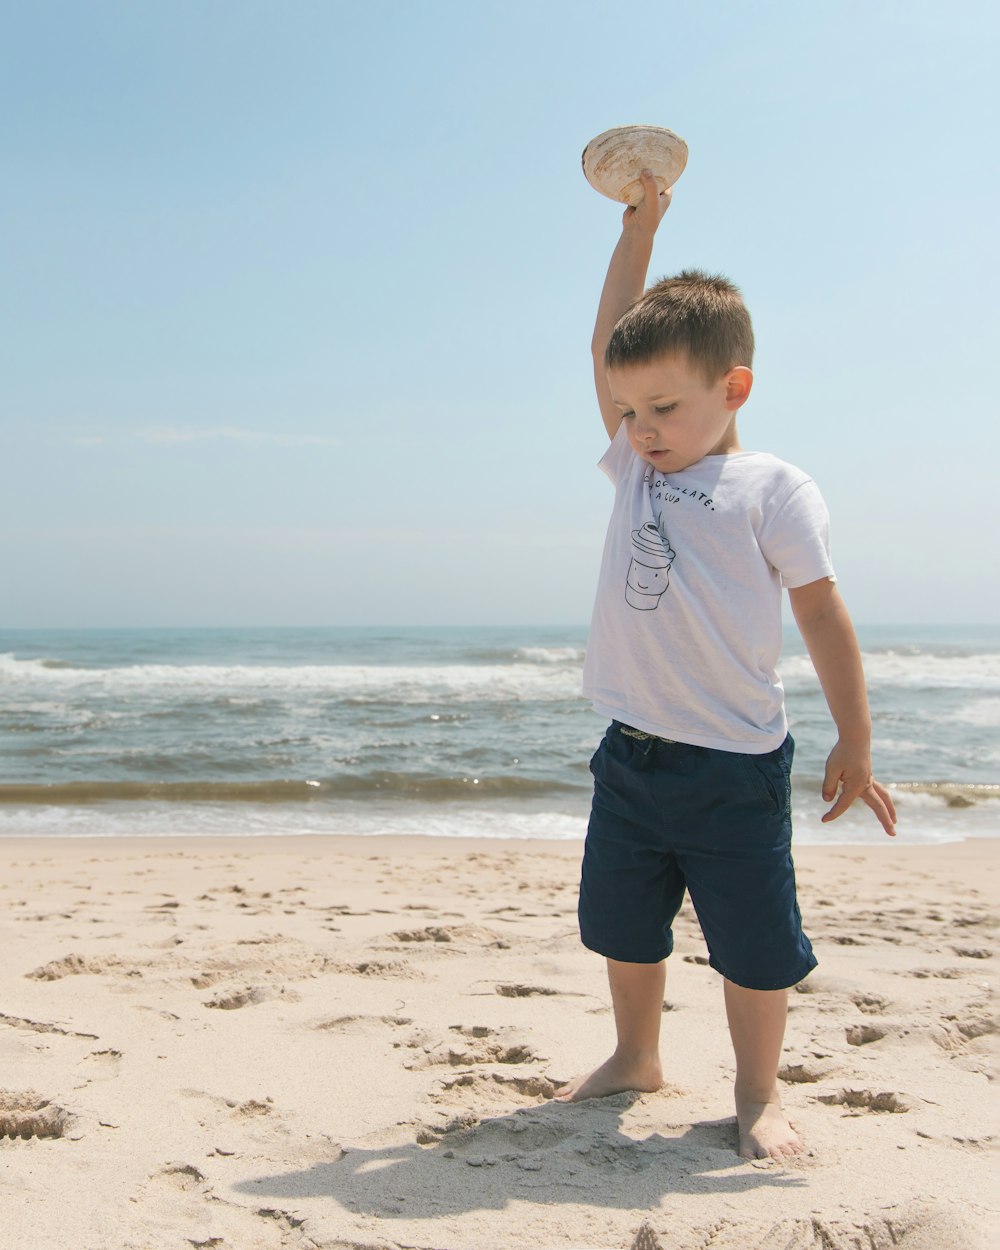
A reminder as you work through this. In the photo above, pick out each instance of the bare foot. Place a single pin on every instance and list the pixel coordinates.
(614, 1077)
(765, 1132)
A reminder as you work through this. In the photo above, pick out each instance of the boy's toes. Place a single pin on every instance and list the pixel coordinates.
(765, 1133)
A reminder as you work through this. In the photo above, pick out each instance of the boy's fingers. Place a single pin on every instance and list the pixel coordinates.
(873, 795)
(882, 806)
(651, 190)
(886, 798)
(849, 791)
(880, 801)
(838, 809)
(654, 202)
(832, 783)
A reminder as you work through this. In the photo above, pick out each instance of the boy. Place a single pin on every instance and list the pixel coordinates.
(691, 782)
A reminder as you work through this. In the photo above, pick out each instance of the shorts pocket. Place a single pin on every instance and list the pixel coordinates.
(769, 778)
(612, 750)
(599, 760)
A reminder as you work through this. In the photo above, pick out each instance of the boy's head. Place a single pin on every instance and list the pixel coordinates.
(678, 364)
(695, 314)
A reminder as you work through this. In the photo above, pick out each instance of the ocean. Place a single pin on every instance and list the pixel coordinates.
(477, 732)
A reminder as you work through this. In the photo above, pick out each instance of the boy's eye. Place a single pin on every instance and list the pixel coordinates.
(666, 408)
(626, 415)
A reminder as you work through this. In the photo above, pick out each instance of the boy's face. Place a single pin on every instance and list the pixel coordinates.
(673, 417)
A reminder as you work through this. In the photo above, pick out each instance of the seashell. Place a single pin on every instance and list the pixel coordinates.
(614, 160)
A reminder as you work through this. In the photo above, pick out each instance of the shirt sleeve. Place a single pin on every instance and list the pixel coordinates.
(618, 457)
(795, 538)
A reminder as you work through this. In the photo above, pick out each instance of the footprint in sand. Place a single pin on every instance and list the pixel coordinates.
(471, 934)
(362, 1024)
(178, 1198)
(481, 1094)
(865, 1034)
(180, 1176)
(208, 977)
(471, 1045)
(255, 1128)
(432, 1134)
(261, 957)
(252, 1108)
(509, 1137)
(507, 990)
(806, 1073)
(871, 1004)
(232, 1108)
(865, 1100)
(494, 1091)
(390, 969)
(26, 1114)
(41, 1026)
(824, 986)
(79, 965)
(973, 1026)
(251, 996)
(103, 1063)
(946, 1033)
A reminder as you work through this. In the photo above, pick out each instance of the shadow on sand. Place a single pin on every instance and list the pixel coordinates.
(569, 1153)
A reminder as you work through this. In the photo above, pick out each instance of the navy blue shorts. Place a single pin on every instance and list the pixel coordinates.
(667, 817)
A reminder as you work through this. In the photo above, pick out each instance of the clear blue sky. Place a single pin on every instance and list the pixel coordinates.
(298, 295)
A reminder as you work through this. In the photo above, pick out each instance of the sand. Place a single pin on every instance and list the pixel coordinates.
(351, 1043)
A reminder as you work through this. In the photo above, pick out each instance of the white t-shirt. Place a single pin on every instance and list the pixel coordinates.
(686, 630)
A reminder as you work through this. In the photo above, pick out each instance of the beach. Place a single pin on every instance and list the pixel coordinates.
(353, 1042)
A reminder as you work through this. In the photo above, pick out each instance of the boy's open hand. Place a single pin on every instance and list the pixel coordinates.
(648, 213)
(850, 772)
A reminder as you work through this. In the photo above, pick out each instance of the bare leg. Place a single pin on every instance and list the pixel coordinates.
(637, 998)
(757, 1027)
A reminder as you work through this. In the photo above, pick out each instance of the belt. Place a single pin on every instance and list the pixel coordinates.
(641, 736)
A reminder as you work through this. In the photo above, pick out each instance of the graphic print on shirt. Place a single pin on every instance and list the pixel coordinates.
(649, 572)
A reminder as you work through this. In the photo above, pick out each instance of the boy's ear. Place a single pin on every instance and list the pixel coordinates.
(738, 385)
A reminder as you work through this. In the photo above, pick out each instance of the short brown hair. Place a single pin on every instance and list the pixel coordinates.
(697, 313)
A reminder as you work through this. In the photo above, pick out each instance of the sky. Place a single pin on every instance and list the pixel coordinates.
(298, 296)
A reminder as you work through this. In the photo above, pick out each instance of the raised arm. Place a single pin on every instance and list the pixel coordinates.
(826, 628)
(625, 283)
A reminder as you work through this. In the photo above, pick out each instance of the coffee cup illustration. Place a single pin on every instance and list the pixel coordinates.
(649, 572)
